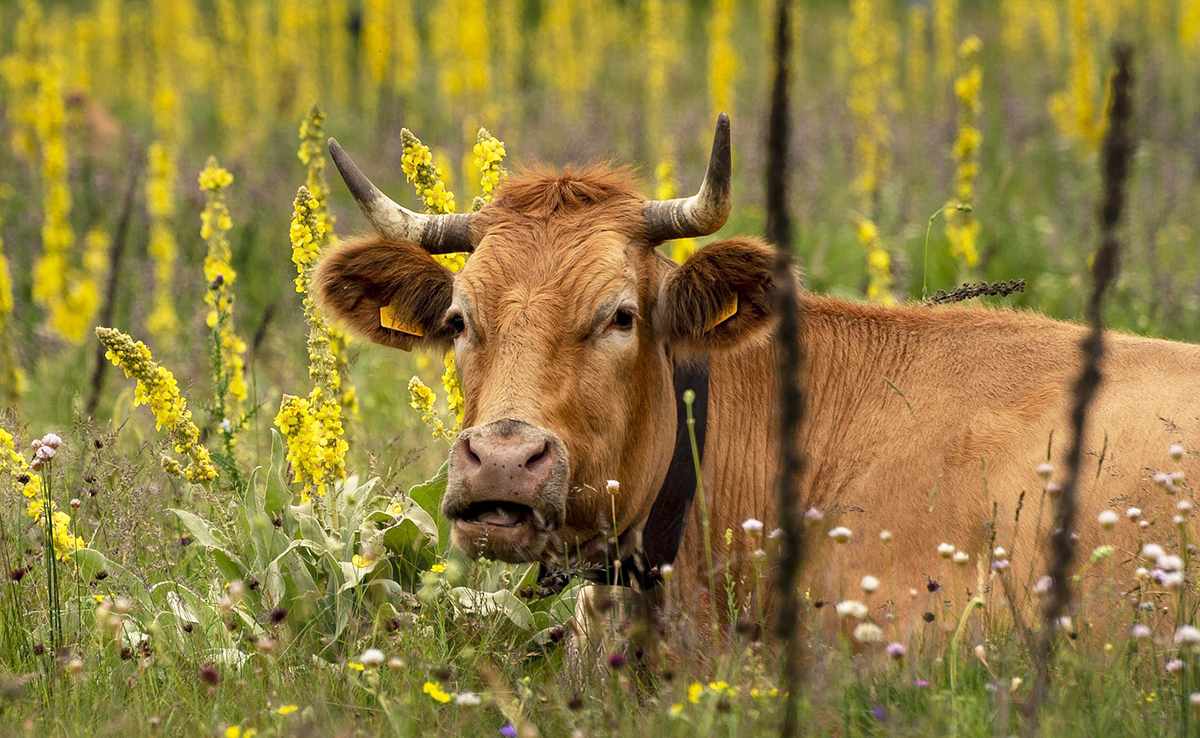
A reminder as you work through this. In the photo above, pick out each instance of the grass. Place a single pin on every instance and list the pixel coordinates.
(213, 611)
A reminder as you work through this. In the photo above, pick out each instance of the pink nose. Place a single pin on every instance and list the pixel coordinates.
(508, 466)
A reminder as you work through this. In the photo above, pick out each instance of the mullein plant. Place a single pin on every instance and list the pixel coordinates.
(665, 189)
(228, 354)
(874, 46)
(962, 227)
(156, 387)
(312, 155)
(12, 377)
(162, 322)
(20, 71)
(67, 293)
(312, 425)
(1078, 111)
(722, 55)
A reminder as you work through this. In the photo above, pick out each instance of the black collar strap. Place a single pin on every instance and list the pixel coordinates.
(664, 528)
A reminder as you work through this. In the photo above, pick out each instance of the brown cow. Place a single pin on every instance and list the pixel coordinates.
(567, 325)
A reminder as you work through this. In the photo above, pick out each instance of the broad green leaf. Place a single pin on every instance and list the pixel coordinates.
(489, 603)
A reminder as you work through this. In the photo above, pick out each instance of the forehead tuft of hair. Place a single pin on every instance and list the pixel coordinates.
(539, 191)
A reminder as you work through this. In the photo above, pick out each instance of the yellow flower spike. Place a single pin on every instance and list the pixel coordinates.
(287, 709)
(879, 263)
(157, 388)
(12, 377)
(163, 322)
(1079, 110)
(312, 155)
(722, 55)
(962, 228)
(215, 223)
(312, 426)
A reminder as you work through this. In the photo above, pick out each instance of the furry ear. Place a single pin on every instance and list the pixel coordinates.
(390, 292)
(719, 298)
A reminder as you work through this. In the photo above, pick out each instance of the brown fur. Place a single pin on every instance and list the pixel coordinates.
(367, 273)
(922, 421)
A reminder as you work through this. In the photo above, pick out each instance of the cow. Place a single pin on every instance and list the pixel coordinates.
(929, 431)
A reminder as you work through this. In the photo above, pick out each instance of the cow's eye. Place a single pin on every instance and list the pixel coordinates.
(456, 323)
(623, 318)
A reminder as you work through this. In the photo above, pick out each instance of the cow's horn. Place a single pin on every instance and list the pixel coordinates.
(437, 234)
(702, 213)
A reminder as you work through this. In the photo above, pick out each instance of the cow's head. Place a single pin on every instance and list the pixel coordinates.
(564, 322)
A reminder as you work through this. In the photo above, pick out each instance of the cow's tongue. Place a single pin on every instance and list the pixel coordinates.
(502, 515)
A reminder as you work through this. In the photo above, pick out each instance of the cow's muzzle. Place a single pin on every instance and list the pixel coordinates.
(507, 490)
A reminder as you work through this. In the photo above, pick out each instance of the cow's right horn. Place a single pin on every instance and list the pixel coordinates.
(707, 210)
(437, 234)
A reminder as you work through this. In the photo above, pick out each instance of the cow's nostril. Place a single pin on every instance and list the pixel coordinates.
(468, 455)
(541, 458)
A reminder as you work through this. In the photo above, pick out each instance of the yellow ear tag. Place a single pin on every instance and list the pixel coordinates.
(388, 318)
(726, 313)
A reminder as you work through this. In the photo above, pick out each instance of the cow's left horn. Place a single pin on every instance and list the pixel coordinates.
(702, 213)
(437, 234)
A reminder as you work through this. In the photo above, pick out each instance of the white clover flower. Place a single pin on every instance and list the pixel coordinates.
(1053, 488)
(1000, 564)
(981, 652)
(752, 525)
(913, 593)
(612, 486)
(868, 633)
(840, 534)
(775, 533)
(1178, 519)
(1133, 513)
(999, 553)
(1194, 699)
(1107, 519)
(1140, 631)
(1161, 479)
(1187, 635)
(813, 515)
(1176, 477)
(372, 657)
(1170, 562)
(1172, 580)
(945, 550)
(45, 453)
(885, 536)
(667, 571)
(1143, 524)
(1045, 469)
(1064, 622)
(758, 554)
(467, 699)
(851, 609)
(1152, 551)
(1141, 573)
(869, 584)
(1183, 506)
(961, 558)
(1175, 451)
(1174, 666)
(1042, 586)
(52, 440)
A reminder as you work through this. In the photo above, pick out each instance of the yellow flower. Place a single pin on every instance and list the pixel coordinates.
(437, 568)
(354, 665)
(675, 709)
(435, 691)
(157, 388)
(694, 691)
(360, 561)
(287, 709)
(220, 276)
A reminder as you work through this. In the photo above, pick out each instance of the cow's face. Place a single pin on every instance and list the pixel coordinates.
(564, 324)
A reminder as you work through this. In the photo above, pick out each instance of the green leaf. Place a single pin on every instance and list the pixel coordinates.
(428, 495)
(489, 603)
(200, 529)
(277, 495)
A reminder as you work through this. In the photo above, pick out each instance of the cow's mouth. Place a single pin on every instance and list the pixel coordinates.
(497, 513)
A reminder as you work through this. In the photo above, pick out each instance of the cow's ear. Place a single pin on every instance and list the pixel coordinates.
(720, 298)
(390, 292)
